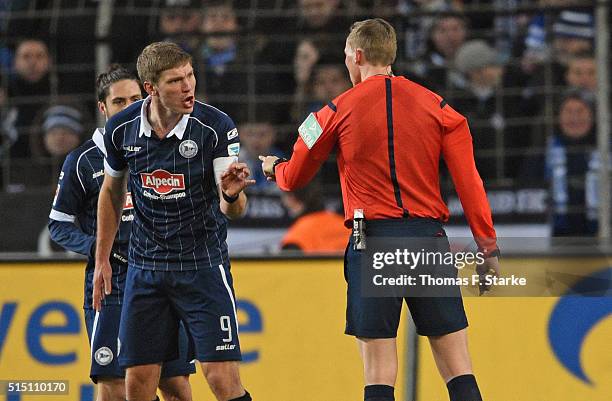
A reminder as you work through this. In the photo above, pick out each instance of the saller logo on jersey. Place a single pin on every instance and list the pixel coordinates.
(163, 182)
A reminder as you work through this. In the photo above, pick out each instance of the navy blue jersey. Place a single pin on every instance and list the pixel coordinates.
(178, 224)
(72, 221)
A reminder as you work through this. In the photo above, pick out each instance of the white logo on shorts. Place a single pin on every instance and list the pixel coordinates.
(118, 346)
(103, 356)
(188, 149)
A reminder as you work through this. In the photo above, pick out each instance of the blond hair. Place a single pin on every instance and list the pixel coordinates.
(376, 37)
(159, 57)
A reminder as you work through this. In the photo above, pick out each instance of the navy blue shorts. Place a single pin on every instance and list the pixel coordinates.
(103, 333)
(370, 317)
(156, 302)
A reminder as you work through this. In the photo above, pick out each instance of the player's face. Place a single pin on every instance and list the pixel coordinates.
(120, 95)
(351, 64)
(176, 89)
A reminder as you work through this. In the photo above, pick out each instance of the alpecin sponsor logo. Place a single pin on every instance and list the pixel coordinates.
(163, 182)
(128, 204)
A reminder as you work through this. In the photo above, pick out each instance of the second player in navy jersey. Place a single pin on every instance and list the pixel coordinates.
(180, 157)
(72, 221)
(72, 224)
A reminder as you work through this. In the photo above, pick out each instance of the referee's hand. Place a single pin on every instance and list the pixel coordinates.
(490, 267)
(103, 274)
(267, 166)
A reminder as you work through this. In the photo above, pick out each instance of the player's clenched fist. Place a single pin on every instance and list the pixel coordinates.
(101, 283)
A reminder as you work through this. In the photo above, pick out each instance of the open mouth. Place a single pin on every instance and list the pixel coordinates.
(189, 101)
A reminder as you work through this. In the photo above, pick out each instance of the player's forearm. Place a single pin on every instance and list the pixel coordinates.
(110, 203)
(70, 237)
(235, 209)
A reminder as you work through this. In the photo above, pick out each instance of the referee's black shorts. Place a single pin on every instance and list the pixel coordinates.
(370, 317)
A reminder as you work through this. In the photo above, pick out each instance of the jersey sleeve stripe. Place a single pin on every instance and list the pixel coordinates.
(212, 107)
(209, 127)
(59, 216)
(77, 167)
(119, 126)
(332, 106)
(112, 172)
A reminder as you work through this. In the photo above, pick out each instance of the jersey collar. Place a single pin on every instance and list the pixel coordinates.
(146, 128)
(98, 138)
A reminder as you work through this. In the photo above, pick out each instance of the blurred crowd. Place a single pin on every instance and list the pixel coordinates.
(523, 72)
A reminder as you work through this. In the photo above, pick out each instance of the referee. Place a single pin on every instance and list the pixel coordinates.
(390, 134)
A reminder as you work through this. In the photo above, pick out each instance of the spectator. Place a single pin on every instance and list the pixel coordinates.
(328, 81)
(321, 16)
(179, 22)
(318, 30)
(61, 131)
(509, 27)
(223, 73)
(28, 90)
(446, 36)
(570, 164)
(582, 72)
(319, 79)
(490, 101)
(314, 230)
(258, 138)
(416, 28)
(573, 32)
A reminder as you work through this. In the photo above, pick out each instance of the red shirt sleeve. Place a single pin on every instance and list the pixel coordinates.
(305, 161)
(458, 153)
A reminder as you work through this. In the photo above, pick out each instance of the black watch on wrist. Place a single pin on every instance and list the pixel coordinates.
(230, 199)
(276, 163)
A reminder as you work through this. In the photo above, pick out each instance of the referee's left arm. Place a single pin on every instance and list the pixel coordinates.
(458, 153)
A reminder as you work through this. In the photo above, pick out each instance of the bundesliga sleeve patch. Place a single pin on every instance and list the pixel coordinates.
(310, 130)
(233, 149)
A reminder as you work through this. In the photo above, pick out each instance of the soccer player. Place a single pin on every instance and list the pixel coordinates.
(390, 134)
(76, 202)
(180, 157)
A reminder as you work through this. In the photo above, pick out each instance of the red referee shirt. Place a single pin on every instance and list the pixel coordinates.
(390, 134)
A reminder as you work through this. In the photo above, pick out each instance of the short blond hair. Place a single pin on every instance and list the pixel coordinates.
(159, 57)
(376, 37)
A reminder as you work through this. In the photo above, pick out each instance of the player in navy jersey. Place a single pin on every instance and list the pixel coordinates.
(180, 158)
(72, 224)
